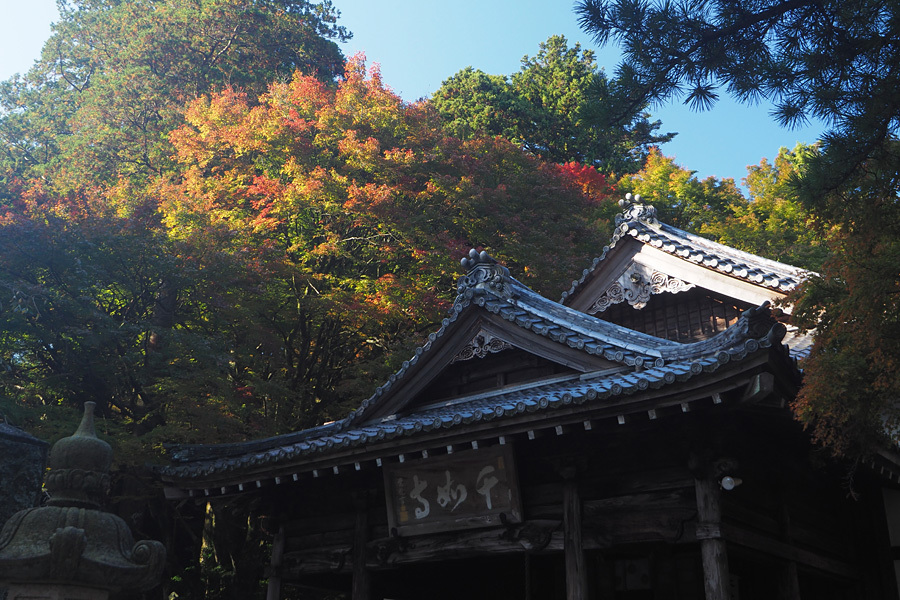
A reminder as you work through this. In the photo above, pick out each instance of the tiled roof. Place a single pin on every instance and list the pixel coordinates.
(489, 285)
(799, 342)
(639, 221)
(494, 406)
(645, 362)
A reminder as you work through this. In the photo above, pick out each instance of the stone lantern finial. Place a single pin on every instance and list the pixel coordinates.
(70, 548)
(79, 466)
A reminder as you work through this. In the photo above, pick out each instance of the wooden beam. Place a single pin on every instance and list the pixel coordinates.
(703, 277)
(789, 583)
(339, 557)
(759, 388)
(716, 578)
(576, 575)
(779, 549)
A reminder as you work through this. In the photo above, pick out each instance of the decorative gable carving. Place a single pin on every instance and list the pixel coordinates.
(635, 286)
(481, 345)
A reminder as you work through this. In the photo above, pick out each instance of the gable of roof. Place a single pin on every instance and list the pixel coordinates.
(638, 230)
(490, 299)
(646, 257)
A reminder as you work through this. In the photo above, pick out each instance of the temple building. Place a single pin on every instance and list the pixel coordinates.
(632, 441)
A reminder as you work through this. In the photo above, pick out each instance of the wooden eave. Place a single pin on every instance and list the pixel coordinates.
(886, 463)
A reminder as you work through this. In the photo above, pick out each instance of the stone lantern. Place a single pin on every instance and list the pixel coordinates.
(70, 549)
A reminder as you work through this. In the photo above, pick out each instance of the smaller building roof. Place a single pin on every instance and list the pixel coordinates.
(639, 221)
(14, 434)
(489, 286)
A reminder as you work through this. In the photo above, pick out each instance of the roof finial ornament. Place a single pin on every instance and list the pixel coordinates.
(755, 324)
(483, 272)
(634, 209)
(475, 258)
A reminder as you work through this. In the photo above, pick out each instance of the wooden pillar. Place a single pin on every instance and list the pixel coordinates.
(362, 580)
(789, 586)
(576, 575)
(273, 591)
(716, 580)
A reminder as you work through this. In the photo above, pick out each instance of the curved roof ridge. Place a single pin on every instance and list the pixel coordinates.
(670, 350)
(701, 241)
(639, 221)
(193, 452)
(589, 325)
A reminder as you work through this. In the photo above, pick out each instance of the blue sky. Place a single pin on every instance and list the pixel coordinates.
(419, 43)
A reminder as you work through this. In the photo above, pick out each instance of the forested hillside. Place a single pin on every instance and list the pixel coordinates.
(226, 231)
(217, 227)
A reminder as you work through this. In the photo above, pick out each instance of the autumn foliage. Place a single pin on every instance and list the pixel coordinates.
(305, 239)
(852, 382)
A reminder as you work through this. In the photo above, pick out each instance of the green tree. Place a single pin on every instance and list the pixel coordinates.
(774, 223)
(113, 77)
(831, 60)
(474, 103)
(352, 208)
(851, 386)
(681, 199)
(87, 313)
(263, 286)
(559, 106)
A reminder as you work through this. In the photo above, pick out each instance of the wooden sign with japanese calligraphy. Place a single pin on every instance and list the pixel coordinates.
(476, 488)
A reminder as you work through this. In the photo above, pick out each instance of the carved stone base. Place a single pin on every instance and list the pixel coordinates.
(50, 591)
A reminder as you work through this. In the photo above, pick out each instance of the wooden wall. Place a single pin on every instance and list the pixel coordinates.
(689, 316)
(790, 529)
